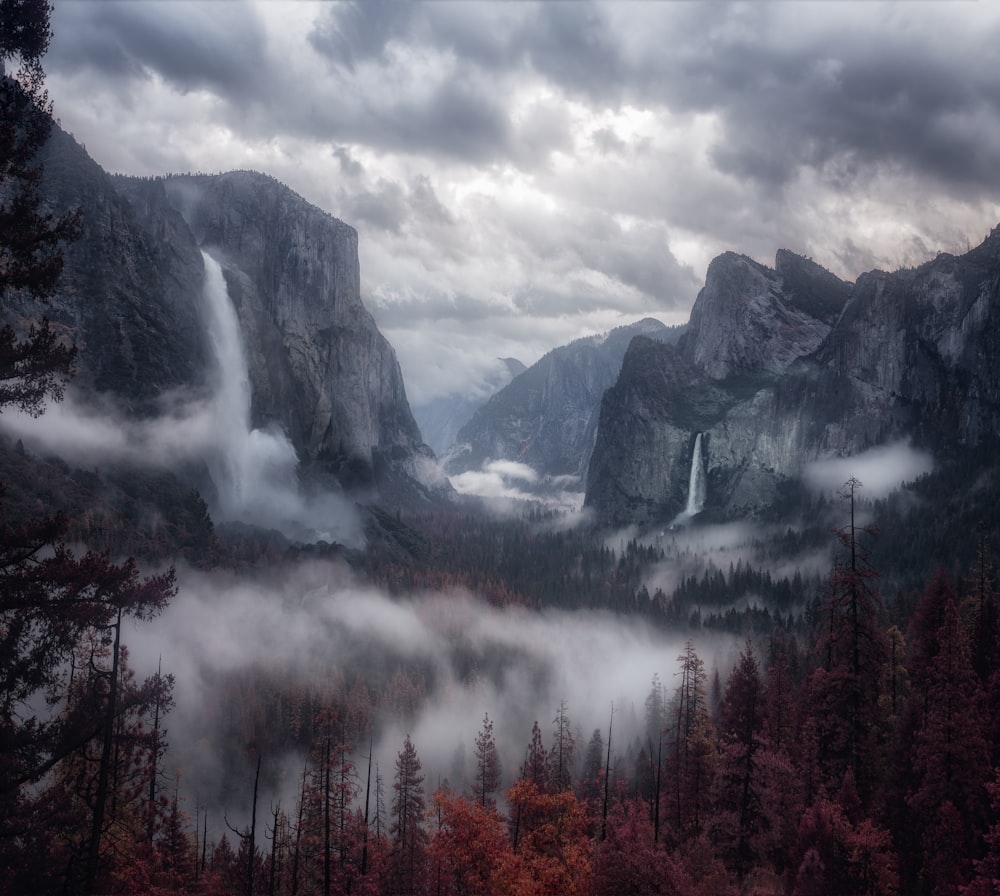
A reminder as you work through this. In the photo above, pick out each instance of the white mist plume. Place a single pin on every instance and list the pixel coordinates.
(515, 665)
(880, 470)
(505, 484)
(254, 470)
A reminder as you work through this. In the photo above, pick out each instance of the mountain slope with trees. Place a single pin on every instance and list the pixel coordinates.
(852, 746)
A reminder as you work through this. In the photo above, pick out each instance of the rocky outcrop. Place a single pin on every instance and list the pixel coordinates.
(929, 339)
(804, 367)
(319, 367)
(547, 416)
(132, 298)
(749, 318)
(128, 298)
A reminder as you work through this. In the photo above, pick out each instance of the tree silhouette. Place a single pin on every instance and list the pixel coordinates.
(409, 835)
(739, 783)
(844, 702)
(33, 364)
(690, 765)
(562, 752)
(487, 780)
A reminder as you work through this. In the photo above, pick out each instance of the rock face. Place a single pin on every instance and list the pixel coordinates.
(130, 300)
(319, 367)
(786, 366)
(441, 418)
(547, 416)
(132, 297)
(751, 319)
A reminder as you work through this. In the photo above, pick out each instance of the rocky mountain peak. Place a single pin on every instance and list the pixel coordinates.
(750, 319)
(133, 297)
(910, 355)
(811, 287)
(546, 417)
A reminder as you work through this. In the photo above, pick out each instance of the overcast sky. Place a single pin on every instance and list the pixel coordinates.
(522, 174)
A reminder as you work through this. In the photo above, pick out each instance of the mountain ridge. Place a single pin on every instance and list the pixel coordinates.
(546, 416)
(131, 297)
(911, 355)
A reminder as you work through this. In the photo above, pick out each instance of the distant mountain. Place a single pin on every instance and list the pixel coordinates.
(133, 298)
(441, 419)
(547, 416)
(780, 368)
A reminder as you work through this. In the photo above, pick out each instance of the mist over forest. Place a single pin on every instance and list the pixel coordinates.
(699, 609)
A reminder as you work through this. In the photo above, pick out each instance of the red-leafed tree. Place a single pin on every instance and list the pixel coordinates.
(986, 881)
(50, 605)
(628, 861)
(839, 856)
(985, 613)
(553, 852)
(468, 848)
(535, 768)
(690, 765)
(330, 841)
(950, 761)
(535, 771)
(738, 801)
(780, 691)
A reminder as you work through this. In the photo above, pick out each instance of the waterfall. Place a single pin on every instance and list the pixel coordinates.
(697, 484)
(253, 470)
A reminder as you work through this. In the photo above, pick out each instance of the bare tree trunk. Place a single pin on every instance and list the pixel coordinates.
(368, 791)
(155, 756)
(607, 778)
(104, 771)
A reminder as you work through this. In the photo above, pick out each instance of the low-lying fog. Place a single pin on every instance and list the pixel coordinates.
(469, 658)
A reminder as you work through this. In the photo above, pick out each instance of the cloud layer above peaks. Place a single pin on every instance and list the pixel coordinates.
(522, 174)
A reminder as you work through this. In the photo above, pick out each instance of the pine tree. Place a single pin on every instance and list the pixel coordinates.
(33, 364)
(950, 760)
(628, 861)
(407, 857)
(487, 780)
(562, 752)
(690, 764)
(844, 711)
(535, 768)
(51, 607)
(738, 809)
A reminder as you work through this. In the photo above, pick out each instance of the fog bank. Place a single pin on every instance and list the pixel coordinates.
(469, 658)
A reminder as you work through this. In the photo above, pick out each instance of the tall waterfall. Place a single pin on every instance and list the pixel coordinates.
(253, 470)
(697, 483)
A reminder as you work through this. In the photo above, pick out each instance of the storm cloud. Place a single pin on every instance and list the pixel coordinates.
(522, 174)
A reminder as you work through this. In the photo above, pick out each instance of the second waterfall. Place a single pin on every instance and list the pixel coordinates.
(698, 481)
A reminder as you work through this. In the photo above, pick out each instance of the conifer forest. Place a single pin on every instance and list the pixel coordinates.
(470, 703)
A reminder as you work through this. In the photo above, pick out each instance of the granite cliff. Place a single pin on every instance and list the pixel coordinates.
(132, 298)
(546, 417)
(783, 367)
